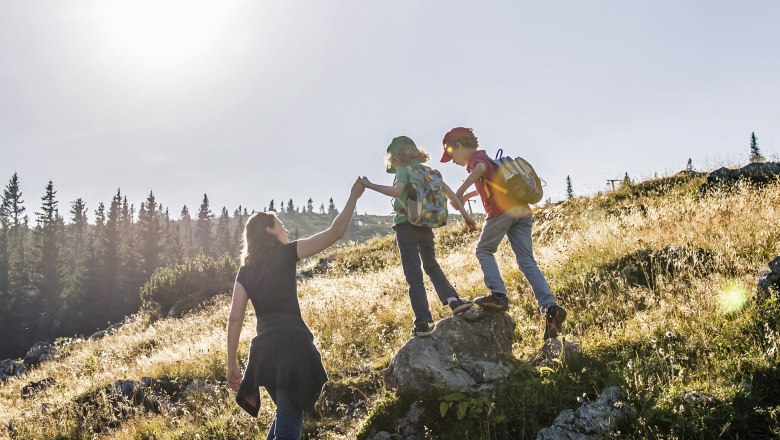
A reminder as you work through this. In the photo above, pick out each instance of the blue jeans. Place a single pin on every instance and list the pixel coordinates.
(416, 243)
(288, 423)
(518, 229)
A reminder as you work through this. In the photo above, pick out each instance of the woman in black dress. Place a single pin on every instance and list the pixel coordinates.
(282, 357)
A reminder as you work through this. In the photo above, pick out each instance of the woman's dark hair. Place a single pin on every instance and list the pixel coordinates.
(257, 245)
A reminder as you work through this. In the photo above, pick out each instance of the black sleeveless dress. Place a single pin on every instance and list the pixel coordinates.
(282, 355)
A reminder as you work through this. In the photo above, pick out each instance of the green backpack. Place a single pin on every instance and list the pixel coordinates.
(427, 203)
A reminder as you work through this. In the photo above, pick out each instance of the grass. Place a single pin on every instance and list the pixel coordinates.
(693, 365)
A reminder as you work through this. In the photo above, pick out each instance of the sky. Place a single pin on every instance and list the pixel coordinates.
(252, 101)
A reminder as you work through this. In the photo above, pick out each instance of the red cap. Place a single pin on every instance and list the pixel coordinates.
(451, 137)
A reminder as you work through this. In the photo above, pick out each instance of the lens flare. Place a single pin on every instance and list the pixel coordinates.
(732, 297)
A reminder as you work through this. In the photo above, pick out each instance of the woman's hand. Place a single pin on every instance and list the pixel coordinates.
(358, 187)
(365, 182)
(233, 377)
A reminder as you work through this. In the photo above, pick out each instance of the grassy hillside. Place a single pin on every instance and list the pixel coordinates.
(659, 284)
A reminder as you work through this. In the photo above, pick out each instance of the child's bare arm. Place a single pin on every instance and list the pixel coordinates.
(394, 191)
(476, 173)
(455, 200)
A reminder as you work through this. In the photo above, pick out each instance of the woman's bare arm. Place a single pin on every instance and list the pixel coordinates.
(235, 322)
(319, 242)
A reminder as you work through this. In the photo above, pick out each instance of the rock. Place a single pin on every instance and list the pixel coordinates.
(553, 350)
(381, 435)
(34, 387)
(19, 369)
(592, 420)
(319, 269)
(463, 351)
(108, 330)
(7, 367)
(774, 265)
(127, 388)
(757, 173)
(198, 386)
(40, 352)
(768, 282)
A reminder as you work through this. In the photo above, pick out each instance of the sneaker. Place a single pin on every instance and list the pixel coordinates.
(459, 306)
(494, 301)
(424, 329)
(553, 321)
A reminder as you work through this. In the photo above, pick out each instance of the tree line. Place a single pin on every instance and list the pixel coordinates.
(62, 275)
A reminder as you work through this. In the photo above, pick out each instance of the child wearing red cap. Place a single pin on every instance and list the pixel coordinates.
(415, 242)
(504, 217)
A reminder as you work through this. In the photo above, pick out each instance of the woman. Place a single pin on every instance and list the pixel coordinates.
(282, 357)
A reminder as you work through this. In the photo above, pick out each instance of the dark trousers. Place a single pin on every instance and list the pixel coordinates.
(288, 423)
(415, 243)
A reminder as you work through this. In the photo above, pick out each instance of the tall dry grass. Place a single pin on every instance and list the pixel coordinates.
(658, 341)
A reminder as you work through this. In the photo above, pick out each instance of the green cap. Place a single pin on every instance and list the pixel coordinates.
(398, 143)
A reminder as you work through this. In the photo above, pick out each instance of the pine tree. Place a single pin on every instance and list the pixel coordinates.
(76, 281)
(290, 207)
(236, 249)
(271, 206)
(310, 206)
(322, 208)
(47, 266)
(5, 294)
(173, 247)
(689, 166)
(3, 261)
(203, 236)
(569, 189)
(18, 272)
(186, 232)
(223, 237)
(113, 295)
(626, 180)
(332, 210)
(150, 234)
(755, 152)
(131, 274)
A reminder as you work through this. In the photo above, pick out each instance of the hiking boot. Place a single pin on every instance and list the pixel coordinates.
(424, 329)
(459, 306)
(494, 301)
(553, 321)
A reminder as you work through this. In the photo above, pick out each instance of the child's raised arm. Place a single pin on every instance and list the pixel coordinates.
(394, 191)
(319, 242)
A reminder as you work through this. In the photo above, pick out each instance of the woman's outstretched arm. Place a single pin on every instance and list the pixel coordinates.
(319, 242)
(235, 322)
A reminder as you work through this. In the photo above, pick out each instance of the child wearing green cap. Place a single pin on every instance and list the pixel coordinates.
(415, 242)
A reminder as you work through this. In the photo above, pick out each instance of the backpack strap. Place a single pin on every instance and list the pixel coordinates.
(488, 184)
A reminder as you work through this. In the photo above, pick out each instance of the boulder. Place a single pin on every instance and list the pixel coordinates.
(320, 268)
(769, 280)
(40, 352)
(599, 419)
(198, 387)
(469, 350)
(759, 173)
(33, 388)
(7, 366)
(108, 330)
(553, 351)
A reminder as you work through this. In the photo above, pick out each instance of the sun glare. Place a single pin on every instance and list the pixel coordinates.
(164, 34)
(732, 297)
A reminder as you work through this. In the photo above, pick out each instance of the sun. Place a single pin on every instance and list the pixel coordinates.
(162, 35)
